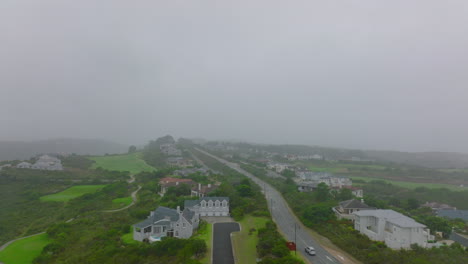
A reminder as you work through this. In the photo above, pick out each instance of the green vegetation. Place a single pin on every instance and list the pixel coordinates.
(413, 185)
(25, 250)
(132, 163)
(245, 242)
(121, 202)
(70, 193)
(152, 154)
(205, 233)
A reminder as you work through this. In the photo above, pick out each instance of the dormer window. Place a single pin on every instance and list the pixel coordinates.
(217, 203)
(210, 204)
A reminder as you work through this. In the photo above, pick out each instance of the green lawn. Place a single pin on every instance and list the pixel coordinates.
(206, 233)
(412, 185)
(25, 250)
(128, 162)
(121, 202)
(245, 244)
(71, 193)
(128, 238)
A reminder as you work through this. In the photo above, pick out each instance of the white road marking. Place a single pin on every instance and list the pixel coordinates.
(341, 257)
(329, 258)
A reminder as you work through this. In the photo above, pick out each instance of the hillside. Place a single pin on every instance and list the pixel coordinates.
(10, 150)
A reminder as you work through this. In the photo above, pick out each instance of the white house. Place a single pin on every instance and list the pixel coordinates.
(396, 230)
(24, 165)
(209, 206)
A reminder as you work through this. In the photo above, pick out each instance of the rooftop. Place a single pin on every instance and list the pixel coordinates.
(391, 216)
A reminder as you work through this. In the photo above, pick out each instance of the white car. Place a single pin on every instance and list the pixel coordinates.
(310, 251)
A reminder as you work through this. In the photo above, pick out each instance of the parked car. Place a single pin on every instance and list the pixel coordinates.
(310, 251)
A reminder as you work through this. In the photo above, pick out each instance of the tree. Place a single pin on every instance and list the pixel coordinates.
(322, 192)
(345, 194)
(132, 149)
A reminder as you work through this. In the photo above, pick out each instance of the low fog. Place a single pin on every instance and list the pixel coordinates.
(368, 74)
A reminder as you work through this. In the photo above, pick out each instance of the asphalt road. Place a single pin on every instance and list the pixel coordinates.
(222, 246)
(285, 220)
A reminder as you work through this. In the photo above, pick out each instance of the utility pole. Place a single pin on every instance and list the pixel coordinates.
(295, 242)
(271, 207)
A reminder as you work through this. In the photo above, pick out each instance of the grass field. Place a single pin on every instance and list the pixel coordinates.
(412, 185)
(128, 238)
(245, 245)
(25, 250)
(121, 202)
(206, 233)
(71, 193)
(129, 162)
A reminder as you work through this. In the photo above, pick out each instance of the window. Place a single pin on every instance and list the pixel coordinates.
(203, 204)
(157, 229)
(217, 203)
(183, 225)
(210, 204)
(147, 229)
(176, 233)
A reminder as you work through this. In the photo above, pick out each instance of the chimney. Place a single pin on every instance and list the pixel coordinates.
(178, 209)
(177, 183)
(362, 200)
(199, 186)
(209, 185)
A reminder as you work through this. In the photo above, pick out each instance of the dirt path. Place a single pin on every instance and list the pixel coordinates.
(134, 200)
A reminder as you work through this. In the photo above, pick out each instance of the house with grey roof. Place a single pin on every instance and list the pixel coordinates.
(345, 209)
(45, 162)
(209, 206)
(166, 222)
(396, 230)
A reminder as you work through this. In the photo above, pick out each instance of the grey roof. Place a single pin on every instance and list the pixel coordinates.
(355, 204)
(159, 214)
(452, 214)
(188, 214)
(391, 216)
(215, 198)
(191, 203)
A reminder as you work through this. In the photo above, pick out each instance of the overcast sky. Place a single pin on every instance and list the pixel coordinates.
(369, 74)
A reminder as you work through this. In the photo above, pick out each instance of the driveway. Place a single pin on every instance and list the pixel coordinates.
(222, 247)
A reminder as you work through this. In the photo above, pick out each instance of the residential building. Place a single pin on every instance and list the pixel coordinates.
(179, 162)
(345, 209)
(166, 183)
(24, 165)
(278, 167)
(209, 206)
(189, 171)
(356, 191)
(45, 162)
(166, 222)
(203, 190)
(170, 150)
(396, 230)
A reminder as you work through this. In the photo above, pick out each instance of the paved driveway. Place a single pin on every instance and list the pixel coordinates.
(222, 247)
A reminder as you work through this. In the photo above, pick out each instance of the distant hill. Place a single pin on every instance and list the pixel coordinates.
(10, 150)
